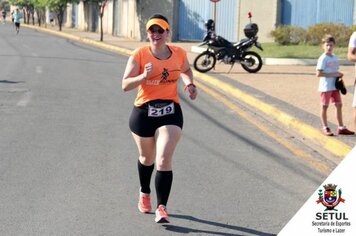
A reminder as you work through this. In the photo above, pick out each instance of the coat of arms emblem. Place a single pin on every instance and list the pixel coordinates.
(330, 197)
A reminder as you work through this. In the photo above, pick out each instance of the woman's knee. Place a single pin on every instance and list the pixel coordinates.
(147, 160)
(164, 163)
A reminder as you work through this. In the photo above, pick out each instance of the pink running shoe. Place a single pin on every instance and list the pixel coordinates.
(144, 203)
(344, 131)
(161, 215)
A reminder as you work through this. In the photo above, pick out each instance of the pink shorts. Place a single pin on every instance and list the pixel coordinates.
(330, 96)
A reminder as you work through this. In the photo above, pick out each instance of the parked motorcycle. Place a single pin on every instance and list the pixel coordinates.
(220, 49)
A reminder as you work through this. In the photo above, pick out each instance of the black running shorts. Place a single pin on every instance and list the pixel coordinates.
(146, 119)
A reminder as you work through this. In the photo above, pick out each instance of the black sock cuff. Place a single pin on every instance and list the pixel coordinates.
(165, 171)
(140, 165)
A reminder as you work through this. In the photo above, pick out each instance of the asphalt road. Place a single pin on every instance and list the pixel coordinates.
(68, 162)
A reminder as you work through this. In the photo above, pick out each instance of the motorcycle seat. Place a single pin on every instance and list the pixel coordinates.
(241, 41)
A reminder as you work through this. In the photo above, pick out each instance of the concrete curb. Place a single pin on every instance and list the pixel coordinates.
(311, 134)
(102, 45)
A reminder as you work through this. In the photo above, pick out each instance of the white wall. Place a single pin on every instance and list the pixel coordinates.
(264, 14)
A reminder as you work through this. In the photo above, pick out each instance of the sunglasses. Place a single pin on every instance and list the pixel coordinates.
(156, 30)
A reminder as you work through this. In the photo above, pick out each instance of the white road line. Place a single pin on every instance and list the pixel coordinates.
(25, 99)
(39, 69)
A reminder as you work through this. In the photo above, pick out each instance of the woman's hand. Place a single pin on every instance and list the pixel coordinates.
(193, 92)
(148, 68)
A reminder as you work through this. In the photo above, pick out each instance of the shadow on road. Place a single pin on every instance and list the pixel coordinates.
(267, 152)
(186, 230)
(10, 82)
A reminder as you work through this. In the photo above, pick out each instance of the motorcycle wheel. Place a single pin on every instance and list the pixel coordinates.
(204, 61)
(252, 62)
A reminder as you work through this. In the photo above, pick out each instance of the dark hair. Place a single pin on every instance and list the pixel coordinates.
(159, 16)
(328, 39)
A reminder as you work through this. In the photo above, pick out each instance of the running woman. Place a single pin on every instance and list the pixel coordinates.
(156, 120)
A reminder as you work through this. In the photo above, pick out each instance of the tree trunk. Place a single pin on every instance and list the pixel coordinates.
(24, 14)
(39, 17)
(60, 22)
(102, 8)
(101, 27)
(60, 17)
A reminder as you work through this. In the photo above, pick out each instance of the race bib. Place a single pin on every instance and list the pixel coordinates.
(161, 111)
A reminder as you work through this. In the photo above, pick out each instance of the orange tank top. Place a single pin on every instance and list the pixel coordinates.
(163, 81)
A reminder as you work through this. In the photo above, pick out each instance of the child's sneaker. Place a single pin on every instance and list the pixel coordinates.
(327, 131)
(344, 131)
(161, 215)
(144, 203)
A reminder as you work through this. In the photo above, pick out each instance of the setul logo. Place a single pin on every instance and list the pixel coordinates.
(330, 198)
(331, 220)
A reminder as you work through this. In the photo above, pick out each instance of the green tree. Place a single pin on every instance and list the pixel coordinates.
(59, 7)
(4, 5)
(40, 9)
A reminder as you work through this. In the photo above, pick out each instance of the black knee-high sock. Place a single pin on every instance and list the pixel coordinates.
(145, 173)
(163, 183)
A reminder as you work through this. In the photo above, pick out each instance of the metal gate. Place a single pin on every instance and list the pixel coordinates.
(317, 11)
(194, 13)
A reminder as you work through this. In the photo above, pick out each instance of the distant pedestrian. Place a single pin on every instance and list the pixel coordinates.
(3, 16)
(156, 119)
(17, 17)
(51, 18)
(351, 56)
(327, 70)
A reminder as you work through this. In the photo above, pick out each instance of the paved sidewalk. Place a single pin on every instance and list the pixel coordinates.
(286, 94)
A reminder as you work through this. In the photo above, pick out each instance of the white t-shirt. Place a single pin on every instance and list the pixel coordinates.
(352, 42)
(327, 64)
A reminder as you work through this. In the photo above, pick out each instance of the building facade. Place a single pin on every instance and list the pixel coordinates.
(127, 18)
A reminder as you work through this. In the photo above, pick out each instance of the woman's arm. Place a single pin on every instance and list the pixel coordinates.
(320, 73)
(132, 77)
(187, 77)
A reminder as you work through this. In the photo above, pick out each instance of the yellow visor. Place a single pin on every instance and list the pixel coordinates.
(161, 23)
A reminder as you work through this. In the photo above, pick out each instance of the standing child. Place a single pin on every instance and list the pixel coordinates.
(327, 70)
